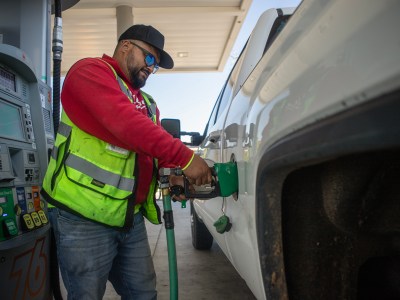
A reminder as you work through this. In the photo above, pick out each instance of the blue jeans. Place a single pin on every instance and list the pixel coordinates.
(89, 254)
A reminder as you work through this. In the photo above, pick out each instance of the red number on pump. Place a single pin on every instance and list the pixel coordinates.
(29, 270)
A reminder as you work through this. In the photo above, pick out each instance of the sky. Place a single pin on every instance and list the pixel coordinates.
(190, 97)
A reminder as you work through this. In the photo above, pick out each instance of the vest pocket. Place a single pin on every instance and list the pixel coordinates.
(95, 178)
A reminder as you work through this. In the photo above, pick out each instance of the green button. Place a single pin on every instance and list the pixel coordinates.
(11, 227)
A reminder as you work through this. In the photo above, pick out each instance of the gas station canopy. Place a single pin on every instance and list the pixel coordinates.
(199, 34)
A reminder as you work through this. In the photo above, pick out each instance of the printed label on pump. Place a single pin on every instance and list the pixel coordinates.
(6, 196)
(21, 199)
(29, 199)
(36, 197)
(10, 228)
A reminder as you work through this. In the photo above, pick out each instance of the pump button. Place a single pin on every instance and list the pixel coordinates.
(36, 219)
(10, 227)
(27, 222)
(17, 209)
(43, 217)
(31, 158)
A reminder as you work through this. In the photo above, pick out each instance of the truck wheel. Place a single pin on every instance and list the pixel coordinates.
(201, 237)
(340, 221)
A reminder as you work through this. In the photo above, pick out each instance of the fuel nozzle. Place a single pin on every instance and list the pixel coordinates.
(224, 183)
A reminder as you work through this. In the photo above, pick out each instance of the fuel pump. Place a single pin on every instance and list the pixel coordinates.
(26, 139)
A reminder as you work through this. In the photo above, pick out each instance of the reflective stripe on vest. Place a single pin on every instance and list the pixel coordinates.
(102, 176)
(90, 169)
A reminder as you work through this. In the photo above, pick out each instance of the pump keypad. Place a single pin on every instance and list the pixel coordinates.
(21, 211)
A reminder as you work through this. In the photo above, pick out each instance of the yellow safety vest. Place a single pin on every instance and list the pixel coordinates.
(94, 179)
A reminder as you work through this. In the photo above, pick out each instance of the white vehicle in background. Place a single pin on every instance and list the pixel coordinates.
(312, 118)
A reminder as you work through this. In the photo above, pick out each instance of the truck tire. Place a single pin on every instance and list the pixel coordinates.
(201, 237)
(340, 219)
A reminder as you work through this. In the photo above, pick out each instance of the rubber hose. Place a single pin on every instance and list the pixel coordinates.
(171, 246)
(56, 93)
(57, 54)
(57, 51)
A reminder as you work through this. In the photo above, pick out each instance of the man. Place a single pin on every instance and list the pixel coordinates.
(102, 174)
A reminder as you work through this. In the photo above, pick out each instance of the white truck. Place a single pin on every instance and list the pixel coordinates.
(311, 116)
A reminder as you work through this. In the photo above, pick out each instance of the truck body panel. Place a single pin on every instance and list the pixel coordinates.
(330, 59)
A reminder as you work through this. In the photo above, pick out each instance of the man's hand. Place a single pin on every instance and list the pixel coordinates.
(198, 172)
(179, 181)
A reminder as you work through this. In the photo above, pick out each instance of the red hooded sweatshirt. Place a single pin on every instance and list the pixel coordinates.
(93, 100)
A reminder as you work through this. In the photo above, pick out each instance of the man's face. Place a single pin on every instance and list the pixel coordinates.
(135, 61)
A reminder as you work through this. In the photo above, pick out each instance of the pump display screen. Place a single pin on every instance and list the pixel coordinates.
(7, 80)
(10, 121)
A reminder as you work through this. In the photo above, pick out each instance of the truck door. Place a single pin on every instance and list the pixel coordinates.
(239, 144)
(210, 211)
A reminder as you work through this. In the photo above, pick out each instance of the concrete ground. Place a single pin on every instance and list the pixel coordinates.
(201, 274)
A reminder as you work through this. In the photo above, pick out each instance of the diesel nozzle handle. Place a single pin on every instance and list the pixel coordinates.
(224, 183)
(209, 191)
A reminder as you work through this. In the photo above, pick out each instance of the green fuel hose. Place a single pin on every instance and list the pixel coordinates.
(228, 174)
(169, 228)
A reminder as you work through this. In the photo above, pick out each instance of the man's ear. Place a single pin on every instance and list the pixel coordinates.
(124, 45)
(121, 48)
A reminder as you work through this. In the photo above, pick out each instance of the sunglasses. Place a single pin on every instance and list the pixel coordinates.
(149, 58)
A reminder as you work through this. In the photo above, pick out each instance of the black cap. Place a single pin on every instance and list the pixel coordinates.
(151, 36)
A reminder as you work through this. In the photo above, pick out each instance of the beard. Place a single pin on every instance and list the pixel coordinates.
(136, 79)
